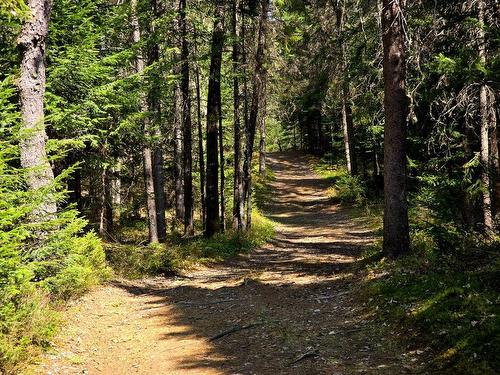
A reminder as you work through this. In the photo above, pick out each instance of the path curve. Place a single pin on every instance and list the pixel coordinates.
(290, 305)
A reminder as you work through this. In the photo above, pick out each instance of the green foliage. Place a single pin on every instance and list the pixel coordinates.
(40, 263)
(345, 187)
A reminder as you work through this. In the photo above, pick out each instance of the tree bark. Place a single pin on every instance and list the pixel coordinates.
(116, 190)
(213, 115)
(258, 89)
(485, 125)
(186, 126)
(31, 42)
(106, 209)
(237, 191)
(155, 109)
(178, 177)
(222, 174)
(201, 154)
(244, 64)
(495, 154)
(347, 124)
(146, 151)
(262, 128)
(396, 232)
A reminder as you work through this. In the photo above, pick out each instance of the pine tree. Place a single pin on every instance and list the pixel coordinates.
(396, 232)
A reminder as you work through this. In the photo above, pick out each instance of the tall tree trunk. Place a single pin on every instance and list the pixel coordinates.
(396, 232)
(258, 89)
(31, 85)
(485, 125)
(237, 191)
(244, 64)
(106, 208)
(155, 109)
(213, 114)
(186, 126)
(262, 128)
(116, 190)
(201, 154)
(159, 188)
(146, 151)
(347, 124)
(222, 174)
(495, 154)
(178, 177)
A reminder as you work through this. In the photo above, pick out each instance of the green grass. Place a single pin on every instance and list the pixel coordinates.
(133, 261)
(444, 295)
(449, 303)
(344, 188)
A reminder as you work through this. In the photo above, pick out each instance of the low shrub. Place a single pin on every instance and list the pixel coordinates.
(345, 188)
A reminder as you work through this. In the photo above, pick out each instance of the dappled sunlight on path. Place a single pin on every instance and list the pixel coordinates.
(289, 307)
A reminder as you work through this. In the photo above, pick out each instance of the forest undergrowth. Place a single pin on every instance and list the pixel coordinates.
(443, 294)
(38, 289)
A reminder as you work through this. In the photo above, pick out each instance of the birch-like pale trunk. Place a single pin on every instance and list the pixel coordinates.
(31, 42)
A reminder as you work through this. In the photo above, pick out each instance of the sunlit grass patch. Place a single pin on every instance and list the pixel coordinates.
(344, 188)
(133, 261)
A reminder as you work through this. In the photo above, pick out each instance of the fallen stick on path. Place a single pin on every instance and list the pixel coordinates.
(204, 303)
(310, 353)
(233, 330)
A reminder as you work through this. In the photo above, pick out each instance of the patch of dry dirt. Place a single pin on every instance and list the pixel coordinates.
(289, 307)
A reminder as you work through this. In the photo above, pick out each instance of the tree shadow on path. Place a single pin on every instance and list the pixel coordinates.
(290, 305)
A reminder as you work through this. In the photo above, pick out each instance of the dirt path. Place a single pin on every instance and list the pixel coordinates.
(294, 297)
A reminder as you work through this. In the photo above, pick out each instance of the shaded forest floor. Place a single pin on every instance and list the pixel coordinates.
(292, 306)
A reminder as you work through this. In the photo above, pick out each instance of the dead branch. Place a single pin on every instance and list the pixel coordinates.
(232, 330)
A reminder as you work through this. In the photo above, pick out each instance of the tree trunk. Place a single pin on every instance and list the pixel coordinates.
(347, 124)
(495, 154)
(485, 125)
(106, 209)
(159, 189)
(396, 232)
(213, 115)
(201, 155)
(31, 42)
(258, 89)
(116, 190)
(146, 151)
(262, 128)
(186, 126)
(222, 174)
(155, 109)
(178, 178)
(244, 64)
(237, 191)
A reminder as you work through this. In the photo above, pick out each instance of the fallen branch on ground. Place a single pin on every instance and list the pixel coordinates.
(233, 330)
(205, 303)
(310, 353)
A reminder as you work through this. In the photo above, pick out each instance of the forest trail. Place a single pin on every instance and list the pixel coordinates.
(289, 307)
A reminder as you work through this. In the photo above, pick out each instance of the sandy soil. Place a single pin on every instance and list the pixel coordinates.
(290, 307)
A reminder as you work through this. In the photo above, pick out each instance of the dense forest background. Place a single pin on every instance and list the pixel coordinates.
(136, 132)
